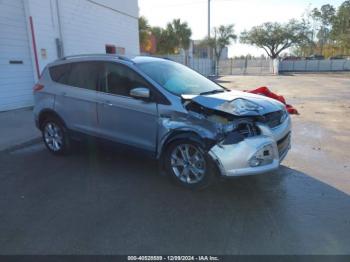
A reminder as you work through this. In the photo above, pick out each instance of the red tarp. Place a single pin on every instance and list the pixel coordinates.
(264, 91)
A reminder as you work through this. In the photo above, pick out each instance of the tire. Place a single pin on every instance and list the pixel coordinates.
(55, 136)
(194, 169)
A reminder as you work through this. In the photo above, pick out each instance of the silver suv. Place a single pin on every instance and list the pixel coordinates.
(196, 128)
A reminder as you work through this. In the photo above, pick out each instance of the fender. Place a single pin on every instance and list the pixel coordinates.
(191, 135)
(48, 112)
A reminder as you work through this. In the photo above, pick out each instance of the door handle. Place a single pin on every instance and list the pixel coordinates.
(105, 103)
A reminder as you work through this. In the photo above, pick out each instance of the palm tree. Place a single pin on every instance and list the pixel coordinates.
(182, 34)
(166, 40)
(222, 37)
(144, 31)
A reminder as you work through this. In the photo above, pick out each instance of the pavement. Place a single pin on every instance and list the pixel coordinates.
(321, 133)
(103, 201)
(17, 128)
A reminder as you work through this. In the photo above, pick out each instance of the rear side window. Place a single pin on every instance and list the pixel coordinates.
(60, 73)
(80, 74)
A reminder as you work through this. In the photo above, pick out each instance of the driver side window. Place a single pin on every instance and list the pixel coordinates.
(119, 80)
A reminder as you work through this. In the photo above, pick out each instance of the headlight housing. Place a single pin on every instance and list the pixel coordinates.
(264, 156)
(284, 115)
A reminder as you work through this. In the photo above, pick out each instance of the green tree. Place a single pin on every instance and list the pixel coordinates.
(307, 48)
(144, 31)
(276, 37)
(324, 16)
(182, 34)
(166, 40)
(173, 37)
(340, 32)
(222, 37)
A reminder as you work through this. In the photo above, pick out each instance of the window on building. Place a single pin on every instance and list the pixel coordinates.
(119, 80)
(120, 50)
(110, 49)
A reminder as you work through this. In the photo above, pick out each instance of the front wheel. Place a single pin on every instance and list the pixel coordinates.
(189, 164)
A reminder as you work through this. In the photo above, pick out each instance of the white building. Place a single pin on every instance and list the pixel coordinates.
(197, 49)
(36, 32)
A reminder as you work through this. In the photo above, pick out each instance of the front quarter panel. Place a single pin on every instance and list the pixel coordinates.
(175, 119)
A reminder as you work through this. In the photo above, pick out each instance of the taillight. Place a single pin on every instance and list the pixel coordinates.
(37, 87)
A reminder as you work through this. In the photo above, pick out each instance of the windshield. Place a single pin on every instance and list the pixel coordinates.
(179, 79)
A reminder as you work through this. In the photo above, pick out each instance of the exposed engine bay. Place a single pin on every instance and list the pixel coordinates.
(234, 128)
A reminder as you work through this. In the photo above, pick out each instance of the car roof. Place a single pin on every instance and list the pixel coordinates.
(106, 57)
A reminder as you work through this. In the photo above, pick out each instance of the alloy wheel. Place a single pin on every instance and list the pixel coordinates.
(53, 136)
(188, 163)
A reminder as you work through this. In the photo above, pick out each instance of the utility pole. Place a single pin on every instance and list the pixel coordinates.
(209, 49)
(208, 19)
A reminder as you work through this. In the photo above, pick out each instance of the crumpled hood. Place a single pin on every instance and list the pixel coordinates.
(222, 102)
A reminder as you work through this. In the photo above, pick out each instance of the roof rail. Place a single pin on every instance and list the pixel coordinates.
(120, 57)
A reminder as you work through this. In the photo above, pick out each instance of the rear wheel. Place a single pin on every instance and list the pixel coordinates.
(55, 136)
(189, 165)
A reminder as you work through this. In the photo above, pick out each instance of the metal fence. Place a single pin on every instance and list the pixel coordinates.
(245, 67)
(258, 66)
(314, 65)
(203, 66)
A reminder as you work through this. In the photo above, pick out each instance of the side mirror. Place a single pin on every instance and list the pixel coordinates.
(140, 92)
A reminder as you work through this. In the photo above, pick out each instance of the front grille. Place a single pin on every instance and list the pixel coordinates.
(248, 129)
(273, 119)
(283, 144)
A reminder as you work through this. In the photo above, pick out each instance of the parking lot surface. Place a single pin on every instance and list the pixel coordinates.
(99, 201)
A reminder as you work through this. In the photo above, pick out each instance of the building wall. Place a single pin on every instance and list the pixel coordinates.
(84, 26)
(129, 7)
(46, 30)
(98, 26)
(224, 53)
(16, 68)
(314, 65)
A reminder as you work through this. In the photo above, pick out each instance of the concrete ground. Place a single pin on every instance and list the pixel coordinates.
(101, 202)
(17, 127)
(321, 133)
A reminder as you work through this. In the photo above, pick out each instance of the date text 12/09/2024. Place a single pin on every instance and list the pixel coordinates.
(173, 258)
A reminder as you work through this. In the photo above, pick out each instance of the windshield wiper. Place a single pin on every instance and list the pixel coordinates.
(213, 92)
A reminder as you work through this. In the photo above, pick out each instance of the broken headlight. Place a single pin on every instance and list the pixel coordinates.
(284, 115)
(239, 132)
(242, 106)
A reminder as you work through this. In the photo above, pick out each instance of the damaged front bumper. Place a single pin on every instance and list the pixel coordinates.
(254, 155)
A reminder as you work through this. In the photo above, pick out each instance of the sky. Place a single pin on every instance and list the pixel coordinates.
(244, 14)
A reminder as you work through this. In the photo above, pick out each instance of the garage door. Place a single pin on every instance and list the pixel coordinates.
(16, 71)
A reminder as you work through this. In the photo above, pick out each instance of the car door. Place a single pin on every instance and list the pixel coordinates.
(122, 118)
(76, 99)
